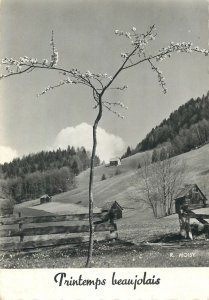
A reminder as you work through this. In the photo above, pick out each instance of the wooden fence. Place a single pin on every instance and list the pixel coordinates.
(19, 233)
(185, 214)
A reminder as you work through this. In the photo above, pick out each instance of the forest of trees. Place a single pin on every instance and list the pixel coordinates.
(185, 129)
(49, 172)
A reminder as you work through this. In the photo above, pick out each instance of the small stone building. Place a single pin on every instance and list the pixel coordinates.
(190, 196)
(45, 199)
(114, 208)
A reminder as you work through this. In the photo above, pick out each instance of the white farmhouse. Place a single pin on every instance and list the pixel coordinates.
(116, 161)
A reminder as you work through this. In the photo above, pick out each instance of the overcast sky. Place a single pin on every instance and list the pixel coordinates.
(84, 36)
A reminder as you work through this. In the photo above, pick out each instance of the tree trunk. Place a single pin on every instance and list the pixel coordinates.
(91, 180)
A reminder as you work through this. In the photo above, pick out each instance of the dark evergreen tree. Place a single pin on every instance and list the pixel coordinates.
(155, 156)
(75, 167)
(163, 154)
(103, 177)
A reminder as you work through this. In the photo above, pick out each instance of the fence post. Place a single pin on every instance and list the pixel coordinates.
(184, 220)
(182, 223)
(188, 228)
(112, 215)
(20, 228)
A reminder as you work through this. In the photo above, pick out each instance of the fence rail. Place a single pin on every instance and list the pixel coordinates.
(41, 219)
(46, 231)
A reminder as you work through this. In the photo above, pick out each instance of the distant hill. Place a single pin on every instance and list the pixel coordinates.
(75, 159)
(186, 128)
(46, 172)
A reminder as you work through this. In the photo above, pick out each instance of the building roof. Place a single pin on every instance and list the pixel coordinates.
(184, 191)
(115, 159)
(108, 205)
(45, 196)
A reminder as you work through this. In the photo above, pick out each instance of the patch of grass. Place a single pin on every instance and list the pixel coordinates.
(109, 254)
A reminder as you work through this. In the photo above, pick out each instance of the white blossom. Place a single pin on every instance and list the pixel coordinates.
(124, 55)
(45, 62)
(4, 60)
(128, 35)
(54, 58)
(19, 68)
(69, 80)
(89, 74)
(33, 60)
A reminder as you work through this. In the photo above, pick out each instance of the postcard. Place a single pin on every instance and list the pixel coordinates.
(104, 150)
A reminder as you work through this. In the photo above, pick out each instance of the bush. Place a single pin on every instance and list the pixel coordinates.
(6, 207)
(103, 177)
(118, 171)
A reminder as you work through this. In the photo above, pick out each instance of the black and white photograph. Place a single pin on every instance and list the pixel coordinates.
(104, 141)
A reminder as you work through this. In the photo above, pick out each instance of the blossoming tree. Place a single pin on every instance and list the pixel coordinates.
(100, 83)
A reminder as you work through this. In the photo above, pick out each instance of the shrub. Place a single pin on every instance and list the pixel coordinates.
(118, 171)
(6, 207)
(103, 177)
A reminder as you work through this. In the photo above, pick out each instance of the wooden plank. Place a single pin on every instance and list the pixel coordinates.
(179, 245)
(193, 215)
(41, 243)
(71, 241)
(202, 221)
(42, 219)
(10, 232)
(199, 217)
(196, 206)
(55, 230)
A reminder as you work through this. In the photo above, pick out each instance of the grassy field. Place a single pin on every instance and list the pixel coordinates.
(108, 254)
(135, 228)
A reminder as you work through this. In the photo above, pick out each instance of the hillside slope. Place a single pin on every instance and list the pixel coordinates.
(137, 224)
(185, 128)
(117, 187)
